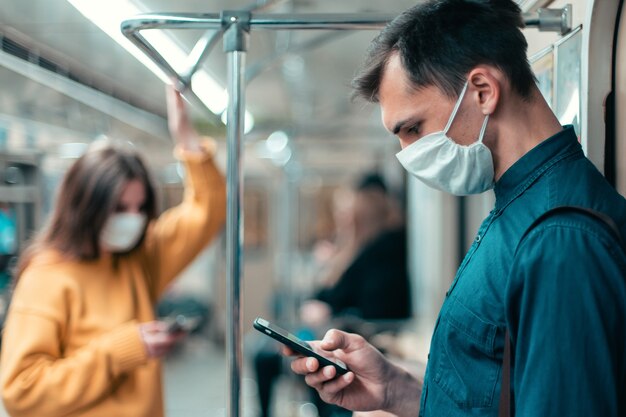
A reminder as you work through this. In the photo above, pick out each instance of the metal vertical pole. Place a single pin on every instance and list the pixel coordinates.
(235, 37)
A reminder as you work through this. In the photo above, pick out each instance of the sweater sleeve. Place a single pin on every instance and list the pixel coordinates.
(38, 378)
(180, 233)
(565, 310)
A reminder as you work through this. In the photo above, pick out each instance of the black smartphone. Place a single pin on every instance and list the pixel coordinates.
(296, 344)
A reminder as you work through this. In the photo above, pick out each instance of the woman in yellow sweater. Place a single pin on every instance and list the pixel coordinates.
(81, 337)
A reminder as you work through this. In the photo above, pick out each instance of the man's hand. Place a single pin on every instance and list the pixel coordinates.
(373, 382)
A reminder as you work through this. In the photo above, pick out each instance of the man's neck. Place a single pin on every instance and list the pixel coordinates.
(525, 124)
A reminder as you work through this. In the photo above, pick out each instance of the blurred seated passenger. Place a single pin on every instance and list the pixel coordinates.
(373, 285)
(81, 337)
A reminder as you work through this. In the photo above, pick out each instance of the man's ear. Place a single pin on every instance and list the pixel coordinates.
(485, 87)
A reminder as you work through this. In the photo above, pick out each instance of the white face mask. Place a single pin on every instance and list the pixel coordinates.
(122, 231)
(443, 164)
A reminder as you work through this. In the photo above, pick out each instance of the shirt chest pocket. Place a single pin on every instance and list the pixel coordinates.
(465, 365)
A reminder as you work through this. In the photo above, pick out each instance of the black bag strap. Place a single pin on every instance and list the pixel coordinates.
(603, 218)
(504, 409)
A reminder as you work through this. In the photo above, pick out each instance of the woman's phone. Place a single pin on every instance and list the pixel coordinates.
(296, 344)
(181, 323)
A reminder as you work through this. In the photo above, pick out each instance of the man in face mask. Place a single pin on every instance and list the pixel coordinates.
(546, 274)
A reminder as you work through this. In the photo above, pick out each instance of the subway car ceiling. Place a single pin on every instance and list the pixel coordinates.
(65, 80)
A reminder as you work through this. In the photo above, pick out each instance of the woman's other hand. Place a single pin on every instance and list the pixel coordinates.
(156, 338)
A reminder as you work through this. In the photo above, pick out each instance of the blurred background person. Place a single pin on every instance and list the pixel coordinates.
(81, 337)
(377, 272)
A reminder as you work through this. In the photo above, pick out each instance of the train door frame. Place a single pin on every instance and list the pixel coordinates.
(597, 77)
(616, 143)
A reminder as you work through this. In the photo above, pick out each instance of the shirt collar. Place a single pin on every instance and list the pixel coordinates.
(523, 173)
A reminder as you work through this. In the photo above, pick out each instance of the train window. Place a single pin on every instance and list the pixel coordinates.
(567, 79)
(558, 73)
(543, 67)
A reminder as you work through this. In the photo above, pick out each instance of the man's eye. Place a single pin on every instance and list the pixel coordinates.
(414, 130)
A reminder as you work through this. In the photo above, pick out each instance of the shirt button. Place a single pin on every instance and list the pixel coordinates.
(478, 238)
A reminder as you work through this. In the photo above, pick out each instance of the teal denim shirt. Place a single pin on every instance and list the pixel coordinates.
(561, 293)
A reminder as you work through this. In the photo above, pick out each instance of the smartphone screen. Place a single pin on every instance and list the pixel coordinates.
(297, 344)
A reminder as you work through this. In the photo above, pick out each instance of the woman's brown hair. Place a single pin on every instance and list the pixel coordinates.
(88, 195)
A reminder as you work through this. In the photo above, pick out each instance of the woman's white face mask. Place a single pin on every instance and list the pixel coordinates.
(122, 231)
(441, 163)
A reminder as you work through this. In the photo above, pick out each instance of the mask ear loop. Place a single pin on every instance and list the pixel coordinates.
(456, 107)
(483, 129)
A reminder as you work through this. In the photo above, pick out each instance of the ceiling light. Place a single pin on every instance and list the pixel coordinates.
(277, 141)
(282, 157)
(72, 150)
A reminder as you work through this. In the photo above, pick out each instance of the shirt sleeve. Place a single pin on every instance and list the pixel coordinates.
(180, 233)
(38, 378)
(565, 312)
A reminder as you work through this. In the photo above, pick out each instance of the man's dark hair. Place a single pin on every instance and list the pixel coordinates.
(372, 181)
(440, 42)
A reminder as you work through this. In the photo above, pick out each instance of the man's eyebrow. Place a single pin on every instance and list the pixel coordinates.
(396, 129)
(398, 126)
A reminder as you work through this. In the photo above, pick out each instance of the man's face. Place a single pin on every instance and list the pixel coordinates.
(411, 114)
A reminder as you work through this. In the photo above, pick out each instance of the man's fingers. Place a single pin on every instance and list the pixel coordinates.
(304, 366)
(316, 379)
(334, 386)
(329, 388)
(336, 339)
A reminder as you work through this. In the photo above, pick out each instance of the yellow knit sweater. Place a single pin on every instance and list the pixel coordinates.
(71, 345)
